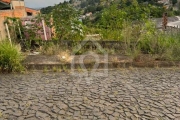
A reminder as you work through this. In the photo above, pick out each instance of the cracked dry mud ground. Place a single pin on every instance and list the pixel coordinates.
(126, 94)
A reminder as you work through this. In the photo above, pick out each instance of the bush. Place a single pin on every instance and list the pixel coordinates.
(146, 39)
(10, 58)
(155, 42)
(172, 51)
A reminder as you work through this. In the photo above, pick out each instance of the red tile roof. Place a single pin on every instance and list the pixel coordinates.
(7, 1)
(30, 10)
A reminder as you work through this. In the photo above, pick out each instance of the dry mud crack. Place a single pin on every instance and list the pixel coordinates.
(126, 94)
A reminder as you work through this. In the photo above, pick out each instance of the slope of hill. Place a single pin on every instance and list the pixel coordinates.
(95, 6)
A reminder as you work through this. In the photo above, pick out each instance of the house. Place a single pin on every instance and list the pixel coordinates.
(13, 8)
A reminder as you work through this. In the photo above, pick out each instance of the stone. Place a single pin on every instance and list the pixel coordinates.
(170, 116)
(32, 118)
(154, 113)
(17, 112)
(55, 109)
(62, 112)
(21, 118)
(109, 112)
(29, 116)
(41, 115)
(112, 118)
(59, 118)
(2, 108)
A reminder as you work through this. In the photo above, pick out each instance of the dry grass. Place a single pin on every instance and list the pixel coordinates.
(49, 50)
(64, 56)
(115, 59)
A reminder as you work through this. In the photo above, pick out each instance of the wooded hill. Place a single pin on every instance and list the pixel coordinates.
(97, 5)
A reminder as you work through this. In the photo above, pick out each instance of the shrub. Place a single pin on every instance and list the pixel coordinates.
(172, 51)
(145, 38)
(10, 58)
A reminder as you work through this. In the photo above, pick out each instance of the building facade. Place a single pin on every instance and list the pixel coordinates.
(13, 8)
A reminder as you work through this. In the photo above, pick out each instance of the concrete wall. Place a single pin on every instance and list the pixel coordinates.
(17, 4)
(9, 13)
(13, 13)
(2, 29)
(18, 11)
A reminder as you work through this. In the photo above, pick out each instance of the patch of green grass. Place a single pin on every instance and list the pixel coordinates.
(1, 115)
(10, 57)
(55, 69)
(45, 70)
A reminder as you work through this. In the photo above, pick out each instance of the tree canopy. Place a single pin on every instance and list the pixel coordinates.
(65, 20)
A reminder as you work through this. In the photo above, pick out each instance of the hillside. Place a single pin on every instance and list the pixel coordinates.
(97, 5)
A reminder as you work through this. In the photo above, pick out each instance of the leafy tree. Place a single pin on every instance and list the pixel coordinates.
(90, 9)
(99, 8)
(65, 21)
(70, 1)
(112, 17)
(174, 2)
(46, 10)
(84, 4)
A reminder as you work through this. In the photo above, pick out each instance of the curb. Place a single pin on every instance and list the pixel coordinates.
(111, 65)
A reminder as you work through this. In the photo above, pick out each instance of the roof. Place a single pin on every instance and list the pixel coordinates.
(4, 5)
(6, 1)
(30, 10)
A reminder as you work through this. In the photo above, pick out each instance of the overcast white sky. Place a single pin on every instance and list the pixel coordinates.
(41, 3)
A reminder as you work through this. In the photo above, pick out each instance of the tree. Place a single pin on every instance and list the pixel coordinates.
(65, 21)
(112, 18)
(46, 10)
(174, 2)
(70, 1)
(90, 9)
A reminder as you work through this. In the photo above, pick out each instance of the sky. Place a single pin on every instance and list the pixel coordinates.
(41, 3)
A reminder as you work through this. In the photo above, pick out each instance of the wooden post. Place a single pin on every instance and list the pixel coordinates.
(19, 29)
(0, 36)
(45, 36)
(9, 37)
(50, 33)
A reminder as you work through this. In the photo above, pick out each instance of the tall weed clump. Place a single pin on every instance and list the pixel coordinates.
(10, 57)
(146, 39)
(162, 44)
(173, 47)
